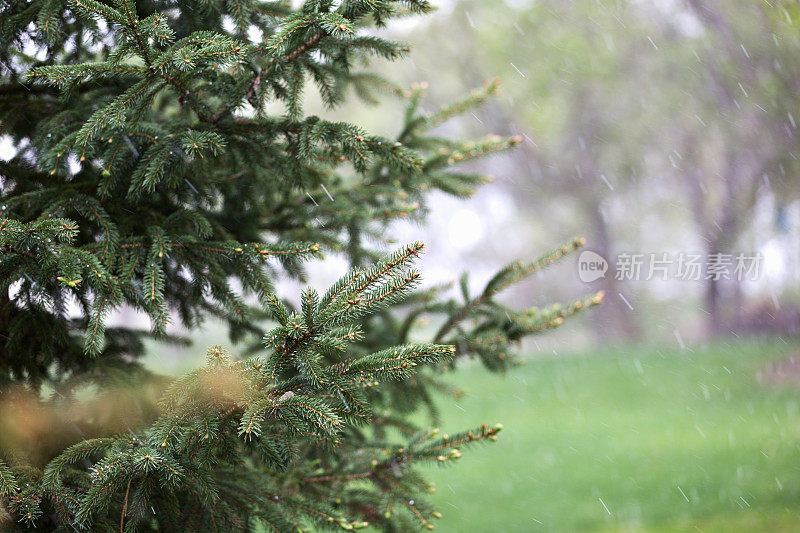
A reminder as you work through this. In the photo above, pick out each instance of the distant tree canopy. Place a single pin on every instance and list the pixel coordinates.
(683, 113)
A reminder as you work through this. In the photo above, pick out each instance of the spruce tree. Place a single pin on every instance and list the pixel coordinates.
(164, 163)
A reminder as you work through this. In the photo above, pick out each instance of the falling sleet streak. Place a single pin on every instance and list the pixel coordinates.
(527, 137)
(469, 19)
(745, 501)
(745, 92)
(518, 70)
(326, 192)
(679, 338)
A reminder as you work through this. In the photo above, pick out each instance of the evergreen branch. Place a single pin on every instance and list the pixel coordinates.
(313, 40)
(394, 363)
(98, 9)
(172, 191)
(516, 271)
(8, 482)
(95, 333)
(505, 277)
(54, 470)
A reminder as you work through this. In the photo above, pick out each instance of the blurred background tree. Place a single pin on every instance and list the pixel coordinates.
(653, 127)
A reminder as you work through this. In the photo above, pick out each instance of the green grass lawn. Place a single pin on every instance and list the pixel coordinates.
(631, 440)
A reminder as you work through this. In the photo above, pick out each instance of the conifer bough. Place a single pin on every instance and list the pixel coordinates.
(150, 173)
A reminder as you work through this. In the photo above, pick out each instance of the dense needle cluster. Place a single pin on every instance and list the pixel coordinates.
(153, 172)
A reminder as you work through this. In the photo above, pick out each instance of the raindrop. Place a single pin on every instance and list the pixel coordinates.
(742, 88)
(326, 191)
(469, 19)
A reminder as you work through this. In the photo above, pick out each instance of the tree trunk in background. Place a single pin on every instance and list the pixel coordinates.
(722, 298)
(614, 319)
(711, 303)
(737, 301)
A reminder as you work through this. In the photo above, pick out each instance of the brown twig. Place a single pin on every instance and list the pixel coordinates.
(256, 83)
(124, 507)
